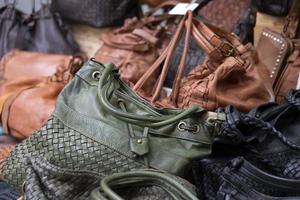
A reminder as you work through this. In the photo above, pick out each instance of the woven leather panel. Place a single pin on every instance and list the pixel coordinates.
(292, 169)
(65, 148)
(281, 159)
(7, 192)
(66, 184)
(211, 179)
(225, 13)
(57, 183)
(97, 13)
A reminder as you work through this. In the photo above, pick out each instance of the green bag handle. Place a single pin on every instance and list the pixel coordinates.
(138, 179)
(104, 92)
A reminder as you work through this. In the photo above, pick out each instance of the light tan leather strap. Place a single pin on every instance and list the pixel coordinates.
(164, 56)
(291, 22)
(179, 74)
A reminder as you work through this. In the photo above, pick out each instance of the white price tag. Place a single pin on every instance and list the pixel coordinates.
(182, 8)
(298, 84)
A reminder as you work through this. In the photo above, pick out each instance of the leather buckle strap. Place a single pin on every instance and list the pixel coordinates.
(227, 49)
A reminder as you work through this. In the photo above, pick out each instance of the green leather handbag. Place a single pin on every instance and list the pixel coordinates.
(101, 125)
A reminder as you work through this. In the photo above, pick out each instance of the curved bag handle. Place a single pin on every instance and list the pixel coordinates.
(208, 37)
(232, 131)
(104, 92)
(140, 178)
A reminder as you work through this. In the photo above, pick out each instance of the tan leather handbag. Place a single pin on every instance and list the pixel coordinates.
(30, 84)
(135, 46)
(280, 52)
(230, 74)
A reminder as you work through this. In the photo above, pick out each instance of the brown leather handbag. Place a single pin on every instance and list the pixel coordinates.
(135, 46)
(30, 84)
(280, 52)
(230, 74)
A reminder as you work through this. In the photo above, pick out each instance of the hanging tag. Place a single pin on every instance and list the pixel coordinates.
(298, 84)
(182, 8)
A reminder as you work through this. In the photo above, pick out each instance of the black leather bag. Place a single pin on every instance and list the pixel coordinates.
(244, 181)
(42, 31)
(274, 7)
(267, 136)
(97, 13)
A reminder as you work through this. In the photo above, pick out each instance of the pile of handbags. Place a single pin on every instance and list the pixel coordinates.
(170, 108)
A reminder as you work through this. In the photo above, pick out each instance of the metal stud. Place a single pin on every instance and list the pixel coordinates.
(139, 141)
(96, 75)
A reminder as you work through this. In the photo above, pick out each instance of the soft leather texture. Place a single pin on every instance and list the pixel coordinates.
(280, 53)
(42, 31)
(100, 124)
(30, 84)
(135, 46)
(233, 16)
(229, 75)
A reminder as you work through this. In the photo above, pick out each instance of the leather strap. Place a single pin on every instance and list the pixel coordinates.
(142, 178)
(104, 92)
(208, 38)
(292, 19)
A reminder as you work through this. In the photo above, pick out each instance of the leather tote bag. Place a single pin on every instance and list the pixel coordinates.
(100, 124)
(30, 84)
(230, 75)
(97, 13)
(47, 181)
(41, 31)
(280, 53)
(237, 17)
(135, 46)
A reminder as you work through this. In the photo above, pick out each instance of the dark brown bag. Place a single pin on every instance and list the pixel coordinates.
(280, 53)
(135, 46)
(230, 74)
(30, 84)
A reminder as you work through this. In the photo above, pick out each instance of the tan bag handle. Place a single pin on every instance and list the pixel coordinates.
(207, 37)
